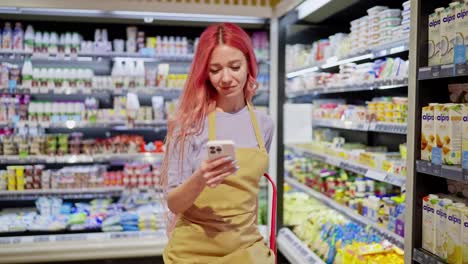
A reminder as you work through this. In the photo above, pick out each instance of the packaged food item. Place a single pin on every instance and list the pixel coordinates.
(441, 228)
(454, 235)
(448, 124)
(447, 33)
(429, 220)
(465, 234)
(465, 138)
(434, 37)
(427, 132)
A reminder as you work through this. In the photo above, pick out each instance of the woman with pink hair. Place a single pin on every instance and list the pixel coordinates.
(214, 202)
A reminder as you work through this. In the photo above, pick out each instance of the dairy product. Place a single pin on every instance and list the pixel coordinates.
(461, 33)
(441, 228)
(454, 234)
(447, 33)
(7, 36)
(27, 74)
(465, 138)
(427, 132)
(434, 37)
(448, 124)
(429, 220)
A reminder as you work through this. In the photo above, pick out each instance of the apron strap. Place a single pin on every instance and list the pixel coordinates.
(212, 125)
(256, 127)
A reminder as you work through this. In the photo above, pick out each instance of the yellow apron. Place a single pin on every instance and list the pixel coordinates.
(221, 225)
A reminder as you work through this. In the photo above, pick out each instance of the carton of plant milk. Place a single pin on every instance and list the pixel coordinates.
(448, 138)
(447, 33)
(465, 234)
(454, 234)
(461, 33)
(434, 37)
(427, 132)
(441, 228)
(465, 138)
(429, 222)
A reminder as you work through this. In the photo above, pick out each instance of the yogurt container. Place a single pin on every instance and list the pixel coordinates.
(394, 21)
(376, 10)
(407, 6)
(389, 13)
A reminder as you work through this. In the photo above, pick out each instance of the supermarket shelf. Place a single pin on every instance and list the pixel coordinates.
(87, 193)
(70, 124)
(443, 71)
(353, 88)
(73, 159)
(294, 249)
(392, 237)
(85, 246)
(378, 52)
(444, 171)
(356, 168)
(349, 125)
(424, 257)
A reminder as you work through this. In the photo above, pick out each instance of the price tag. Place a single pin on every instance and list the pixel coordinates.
(436, 169)
(5, 241)
(435, 71)
(461, 69)
(376, 175)
(41, 239)
(465, 174)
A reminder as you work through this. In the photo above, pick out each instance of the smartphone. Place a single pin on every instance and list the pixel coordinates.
(221, 148)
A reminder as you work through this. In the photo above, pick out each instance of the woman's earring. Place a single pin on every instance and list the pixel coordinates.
(255, 86)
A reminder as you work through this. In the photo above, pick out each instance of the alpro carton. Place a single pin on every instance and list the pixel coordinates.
(465, 138)
(461, 33)
(447, 33)
(441, 228)
(434, 37)
(427, 132)
(429, 222)
(454, 234)
(465, 234)
(448, 139)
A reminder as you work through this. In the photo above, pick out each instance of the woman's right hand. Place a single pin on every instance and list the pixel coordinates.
(213, 172)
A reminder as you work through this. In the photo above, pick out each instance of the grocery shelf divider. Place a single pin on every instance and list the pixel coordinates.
(424, 257)
(82, 158)
(348, 212)
(356, 168)
(294, 249)
(383, 127)
(353, 88)
(82, 193)
(443, 171)
(48, 248)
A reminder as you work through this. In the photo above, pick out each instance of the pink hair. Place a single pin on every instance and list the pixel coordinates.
(199, 96)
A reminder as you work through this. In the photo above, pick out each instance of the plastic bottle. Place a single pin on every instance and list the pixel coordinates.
(73, 81)
(53, 45)
(75, 44)
(36, 83)
(178, 46)
(29, 39)
(184, 46)
(158, 45)
(165, 46)
(89, 78)
(104, 36)
(50, 78)
(128, 77)
(45, 42)
(117, 75)
(172, 45)
(68, 43)
(61, 45)
(140, 74)
(43, 79)
(18, 37)
(97, 36)
(37, 43)
(80, 74)
(66, 78)
(7, 36)
(27, 74)
(58, 79)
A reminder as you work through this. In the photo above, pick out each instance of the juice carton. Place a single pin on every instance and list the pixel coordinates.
(429, 222)
(454, 234)
(427, 132)
(459, 44)
(448, 124)
(441, 228)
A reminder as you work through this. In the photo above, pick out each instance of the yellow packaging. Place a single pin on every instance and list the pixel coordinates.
(427, 132)
(441, 228)
(454, 235)
(448, 124)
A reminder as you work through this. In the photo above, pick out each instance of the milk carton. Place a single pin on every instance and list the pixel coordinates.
(434, 37)
(427, 132)
(441, 228)
(465, 234)
(461, 33)
(447, 33)
(465, 138)
(454, 234)
(448, 125)
(429, 222)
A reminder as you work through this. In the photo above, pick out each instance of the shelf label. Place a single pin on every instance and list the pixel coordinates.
(435, 71)
(353, 168)
(41, 239)
(376, 175)
(436, 169)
